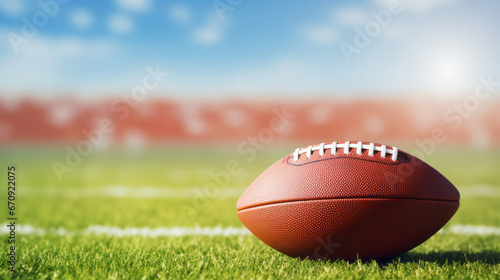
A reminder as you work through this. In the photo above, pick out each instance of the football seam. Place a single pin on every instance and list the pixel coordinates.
(406, 159)
(343, 198)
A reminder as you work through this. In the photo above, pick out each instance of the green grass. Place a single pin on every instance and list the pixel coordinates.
(83, 256)
(76, 257)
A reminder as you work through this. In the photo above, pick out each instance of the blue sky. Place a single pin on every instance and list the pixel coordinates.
(256, 48)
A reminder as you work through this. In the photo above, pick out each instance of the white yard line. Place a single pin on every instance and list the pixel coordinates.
(147, 192)
(480, 191)
(473, 230)
(200, 231)
(128, 192)
(131, 231)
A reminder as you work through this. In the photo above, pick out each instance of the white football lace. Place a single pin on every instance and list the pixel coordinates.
(347, 145)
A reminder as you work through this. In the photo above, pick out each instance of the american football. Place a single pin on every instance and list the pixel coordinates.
(347, 200)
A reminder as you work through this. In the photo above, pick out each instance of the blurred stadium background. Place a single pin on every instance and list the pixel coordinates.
(188, 86)
(67, 65)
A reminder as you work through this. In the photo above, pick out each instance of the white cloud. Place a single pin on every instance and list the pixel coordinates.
(81, 18)
(396, 30)
(210, 33)
(134, 5)
(326, 32)
(207, 35)
(43, 62)
(12, 7)
(119, 23)
(65, 48)
(415, 6)
(351, 16)
(180, 14)
(78, 48)
(320, 34)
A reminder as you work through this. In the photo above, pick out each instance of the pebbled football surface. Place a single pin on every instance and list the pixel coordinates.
(347, 203)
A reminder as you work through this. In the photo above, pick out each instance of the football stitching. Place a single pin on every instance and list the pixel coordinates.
(405, 160)
(334, 146)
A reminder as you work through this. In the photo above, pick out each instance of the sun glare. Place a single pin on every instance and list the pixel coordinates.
(450, 70)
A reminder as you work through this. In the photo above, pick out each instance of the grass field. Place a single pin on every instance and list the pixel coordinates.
(148, 215)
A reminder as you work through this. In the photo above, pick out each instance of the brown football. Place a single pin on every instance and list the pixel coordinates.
(347, 200)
